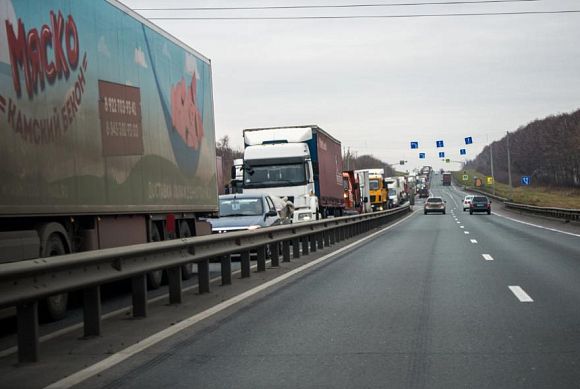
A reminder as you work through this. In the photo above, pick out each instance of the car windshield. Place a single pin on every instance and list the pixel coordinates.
(241, 207)
(434, 200)
(374, 184)
(275, 175)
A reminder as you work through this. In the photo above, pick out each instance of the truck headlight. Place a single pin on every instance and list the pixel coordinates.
(303, 217)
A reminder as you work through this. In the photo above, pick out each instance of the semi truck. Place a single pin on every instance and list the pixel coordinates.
(365, 191)
(106, 133)
(352, 197)
(396, 190)
(378, 188)
(302, 163)
(446, 178)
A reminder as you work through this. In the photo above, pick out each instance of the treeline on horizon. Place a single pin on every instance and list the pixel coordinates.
(546, 149)
(350, 160)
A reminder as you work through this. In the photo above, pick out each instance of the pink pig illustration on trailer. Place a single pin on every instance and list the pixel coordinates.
(185, 115)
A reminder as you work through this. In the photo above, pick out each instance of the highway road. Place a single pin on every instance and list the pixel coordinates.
(437, 301)
(431, 301)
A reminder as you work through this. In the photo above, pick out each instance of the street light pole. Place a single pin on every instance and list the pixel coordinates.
(491, 161)
(509, 161)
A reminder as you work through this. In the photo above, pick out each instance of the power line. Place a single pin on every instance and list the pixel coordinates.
(333, 6)
(370, 16)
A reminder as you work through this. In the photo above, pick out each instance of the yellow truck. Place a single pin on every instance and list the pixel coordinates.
(378, 189)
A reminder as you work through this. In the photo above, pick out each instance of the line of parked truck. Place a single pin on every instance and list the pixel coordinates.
(109, 142)
(302, 165)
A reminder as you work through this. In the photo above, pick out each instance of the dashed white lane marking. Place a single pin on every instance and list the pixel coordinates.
(458, 222)
(535, 225)
(144, 344)
(520, 294)
(466, 232)
(461, 227)
(487, 257)
(473, 241)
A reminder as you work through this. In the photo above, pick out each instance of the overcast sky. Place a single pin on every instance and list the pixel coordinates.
(377, 84)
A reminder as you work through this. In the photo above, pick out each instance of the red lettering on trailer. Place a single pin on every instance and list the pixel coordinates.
(28, 51)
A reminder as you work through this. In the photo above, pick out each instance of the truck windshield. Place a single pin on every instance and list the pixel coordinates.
(241, 207)
(374, 184)
(275, 175)
(392, 192)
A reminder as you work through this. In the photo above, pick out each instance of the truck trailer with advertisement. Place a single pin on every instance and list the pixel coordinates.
(107, 132)
(302, 163)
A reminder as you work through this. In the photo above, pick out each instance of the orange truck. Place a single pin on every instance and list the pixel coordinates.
(352, 198)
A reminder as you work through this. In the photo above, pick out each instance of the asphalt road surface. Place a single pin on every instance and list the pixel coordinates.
(438, 301)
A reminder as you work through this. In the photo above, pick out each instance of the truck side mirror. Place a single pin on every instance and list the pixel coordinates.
(233, 173)
(366, 200)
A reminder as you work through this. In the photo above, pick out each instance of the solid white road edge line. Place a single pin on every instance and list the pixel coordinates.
(535, 225)
(520, 294)
(130, 351)
(473, 241)
(487, 257)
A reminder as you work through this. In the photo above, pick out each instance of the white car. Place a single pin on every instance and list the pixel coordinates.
(467, 202)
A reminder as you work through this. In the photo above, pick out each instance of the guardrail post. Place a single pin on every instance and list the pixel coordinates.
(331, 237)
(313, 243)
(27, 332)
(203, 276)
(245, 263)
(226, 268)
(320, 239)
(305, 243)
(286, 251)
(92, 311)
(174, 281)
(296, 248)
(261, 260)
(275, 254)
(139, 296)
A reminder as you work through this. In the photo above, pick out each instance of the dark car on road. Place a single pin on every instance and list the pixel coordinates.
(480, 204)
(434, 204)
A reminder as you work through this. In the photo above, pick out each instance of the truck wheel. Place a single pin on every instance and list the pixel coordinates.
(53, 308)
(155, 278)
(185, 232)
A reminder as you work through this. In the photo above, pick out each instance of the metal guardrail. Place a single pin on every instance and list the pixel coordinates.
(23, 284)
(560, 213)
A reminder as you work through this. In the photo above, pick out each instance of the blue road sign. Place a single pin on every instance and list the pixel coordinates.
(422, 155)
(414, 145)
(439, 143)
(526, 180)
(462, 151)
(468, 140)
(441, 154)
